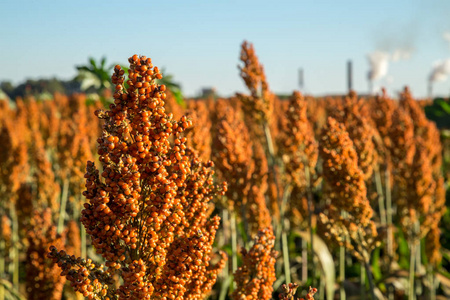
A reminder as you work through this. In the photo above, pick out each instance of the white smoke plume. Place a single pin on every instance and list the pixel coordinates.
(440, 70)
(401, 54)
(379, 63)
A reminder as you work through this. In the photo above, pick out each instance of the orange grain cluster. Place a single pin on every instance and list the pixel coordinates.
(350, 113)
(288, 292)
(150, 200)
(43, 280)
(297, 145)
(199, 136)
(347, 217)
(259, 104)
(255, 278)
(382, 115)
(232, 152)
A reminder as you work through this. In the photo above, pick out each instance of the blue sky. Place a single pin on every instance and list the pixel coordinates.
(199, 41)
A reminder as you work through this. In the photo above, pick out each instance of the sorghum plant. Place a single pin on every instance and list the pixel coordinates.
(147, 210)
(425, 129)
(199, 136)
(382, 111)
(348, 214)
(256, 276)
(232, 148)
(401, 151)
(43, 280)
(360, 132)
(297, 146)
(289, 290)
(259, 104)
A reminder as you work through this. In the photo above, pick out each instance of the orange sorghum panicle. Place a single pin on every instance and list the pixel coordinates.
(345, 185)
(13, 157)
(259, 104)
(402, 150)
(382, 114)
(359, 130)
(25, 204)
(424, 129)
(199, 136)
(433, 245)
(232, 150)
(347, 217)
(47, 189)
(5, 231)
(289, 290)
(298, 148)
(43, 278)
(150, 200)
(255, 278)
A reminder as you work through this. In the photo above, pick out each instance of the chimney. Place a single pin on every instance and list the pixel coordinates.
(370, 81)
(300, 79)
(430, 89)
(349, 75)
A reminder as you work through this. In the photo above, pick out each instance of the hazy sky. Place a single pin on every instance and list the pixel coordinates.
(199, 41)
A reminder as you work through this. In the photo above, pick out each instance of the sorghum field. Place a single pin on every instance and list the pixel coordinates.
(250, 197)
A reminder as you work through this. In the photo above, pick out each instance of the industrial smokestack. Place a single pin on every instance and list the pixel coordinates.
(349, 75)
(300, 79)
(430, 89)
(439, 72)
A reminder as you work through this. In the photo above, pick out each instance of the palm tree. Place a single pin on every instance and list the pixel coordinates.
(96, 75)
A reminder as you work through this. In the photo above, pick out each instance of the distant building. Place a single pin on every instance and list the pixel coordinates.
(208, 92)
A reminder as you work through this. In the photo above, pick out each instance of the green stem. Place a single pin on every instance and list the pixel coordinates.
(379, 186)
(15, 247)
(411, 294)
(370, 277)
(310, 212)
(83, 242)
(225, 236)
(2, 267)
(271, 158)
(418, 286)
(283, 228)
(234, 265)
(304, 261)
(342, 272)
(432, 283)
(287, 266)
(362, 288)
(390, 236)
(322, 286)
(62, 211)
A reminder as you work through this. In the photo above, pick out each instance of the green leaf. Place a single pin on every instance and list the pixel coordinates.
(376, 271)
(445, 106)
(92, 62)
(278, 282)
(179, 98)
(403, 250)
(241, 229)
(10, 291)
(227, 249)
(225, 286)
